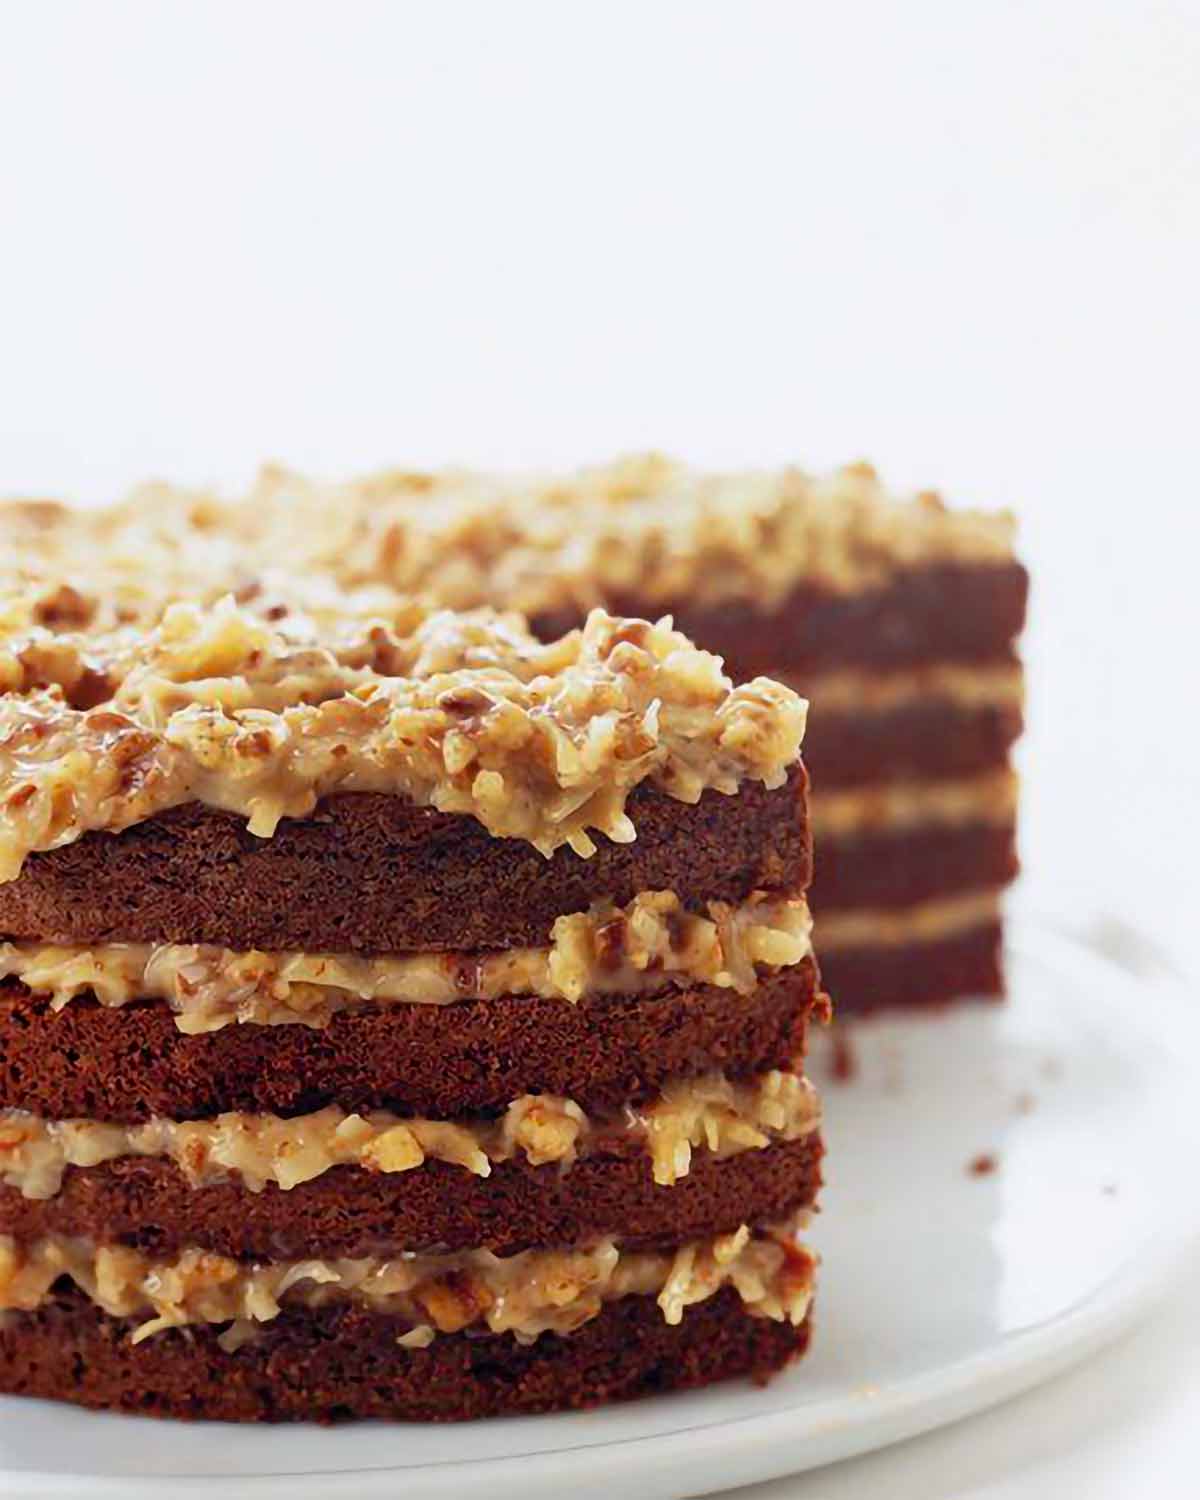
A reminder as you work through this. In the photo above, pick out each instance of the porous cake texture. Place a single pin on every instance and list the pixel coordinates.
(400, 1015)
(896, 617)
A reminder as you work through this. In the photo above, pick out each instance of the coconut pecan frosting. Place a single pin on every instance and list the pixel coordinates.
(468, 714)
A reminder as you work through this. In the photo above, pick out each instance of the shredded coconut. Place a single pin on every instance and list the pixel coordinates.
(708, 1112)
(725, 1118)
(524, 1295)
(926, 922)
(643, 528)
(640, 947)
(464, 713)
(990, 797)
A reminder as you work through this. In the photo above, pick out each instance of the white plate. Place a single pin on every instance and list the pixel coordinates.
(944, 1290)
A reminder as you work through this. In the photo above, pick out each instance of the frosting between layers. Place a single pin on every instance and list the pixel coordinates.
(468, 715)
(925, 922)
(886, 805)
(857, 691)
(640, 947)
(643, 527)
(525, 1295)
(708, 1112)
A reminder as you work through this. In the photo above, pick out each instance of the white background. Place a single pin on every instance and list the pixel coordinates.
(958, 238)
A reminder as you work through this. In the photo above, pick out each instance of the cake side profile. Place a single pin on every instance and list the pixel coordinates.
(399, 1016)
(897, 618)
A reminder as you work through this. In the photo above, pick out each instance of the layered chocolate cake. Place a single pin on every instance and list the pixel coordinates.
(400, 1015)
(897, 618)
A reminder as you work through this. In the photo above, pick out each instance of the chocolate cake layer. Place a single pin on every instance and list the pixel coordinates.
(475, 1057)
(343, 1361)
(932, 739)
(917, 973)
(900, 868)
(148, 1204)
(943, 612)
(393, 877)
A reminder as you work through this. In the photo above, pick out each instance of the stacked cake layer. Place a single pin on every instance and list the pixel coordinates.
(897, 618)
(398, 1016)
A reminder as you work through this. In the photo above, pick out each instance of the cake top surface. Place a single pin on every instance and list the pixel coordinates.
(643, 531)
(266, 705)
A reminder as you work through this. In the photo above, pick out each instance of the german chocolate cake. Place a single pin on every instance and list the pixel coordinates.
(897, 618)
(401, 1014)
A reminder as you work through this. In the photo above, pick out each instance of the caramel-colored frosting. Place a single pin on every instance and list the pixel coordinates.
(862, 690)
(894, 806)
(709, 1113)
(643, 528)
(523, 1295)
(926, 922)
(466, 714)
(641, 947)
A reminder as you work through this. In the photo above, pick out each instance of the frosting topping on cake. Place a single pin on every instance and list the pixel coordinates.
(465, 714)
(643, 527)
